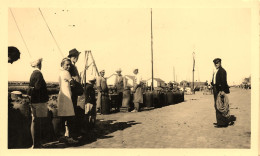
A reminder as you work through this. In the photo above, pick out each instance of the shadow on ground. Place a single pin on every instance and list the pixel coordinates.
(101, 130)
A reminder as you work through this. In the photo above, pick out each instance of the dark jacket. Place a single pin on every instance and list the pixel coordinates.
(90, 96)
(221, 81)
(37, 88)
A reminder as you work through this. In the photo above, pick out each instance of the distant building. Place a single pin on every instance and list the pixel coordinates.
(157, 82)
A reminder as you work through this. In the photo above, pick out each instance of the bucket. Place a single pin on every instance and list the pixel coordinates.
(126, 98)
(148, 99)
(105, 105)
(170, 97)
(15, 95)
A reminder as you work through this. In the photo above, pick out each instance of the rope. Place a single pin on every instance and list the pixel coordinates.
(51, 33)
(20, 33)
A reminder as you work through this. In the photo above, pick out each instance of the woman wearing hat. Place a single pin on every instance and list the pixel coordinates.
(137, 90)
(39, 98)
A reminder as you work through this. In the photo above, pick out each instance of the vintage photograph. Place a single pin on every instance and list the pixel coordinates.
(129, 78)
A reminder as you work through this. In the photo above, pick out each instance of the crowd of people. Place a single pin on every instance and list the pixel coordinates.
(73, 121)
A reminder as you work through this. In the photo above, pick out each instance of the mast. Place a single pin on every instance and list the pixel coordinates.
(152, 47)
(193, 71)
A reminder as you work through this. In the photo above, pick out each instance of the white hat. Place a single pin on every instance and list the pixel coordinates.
(119, 70)
(102, 71)
(36, 61)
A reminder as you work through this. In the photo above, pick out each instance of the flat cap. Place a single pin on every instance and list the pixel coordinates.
(216, 60)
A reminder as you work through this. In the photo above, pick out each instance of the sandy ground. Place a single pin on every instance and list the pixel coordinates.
(185, 125)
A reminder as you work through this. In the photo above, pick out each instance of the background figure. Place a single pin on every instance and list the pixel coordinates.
(74, 55)
(119, 85)
(13, 54)
(39, 98)
(90, 104)
(137, 90)
(64, 104)
(102, 92)
(219, 83)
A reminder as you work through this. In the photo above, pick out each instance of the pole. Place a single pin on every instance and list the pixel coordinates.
(193, 72)
(152, 46)
(94, 63)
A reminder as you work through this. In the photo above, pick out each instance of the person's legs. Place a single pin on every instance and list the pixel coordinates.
(35, 132)
(137, 106)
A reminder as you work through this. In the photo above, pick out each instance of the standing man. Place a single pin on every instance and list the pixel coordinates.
(102, 92)
(220, 86)
(137, 90)
(119, 85)
(74, 55)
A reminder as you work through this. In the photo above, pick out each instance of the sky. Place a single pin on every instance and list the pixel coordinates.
(121, 38)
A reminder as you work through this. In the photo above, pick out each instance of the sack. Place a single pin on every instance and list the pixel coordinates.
(77, 88)
(222, 104)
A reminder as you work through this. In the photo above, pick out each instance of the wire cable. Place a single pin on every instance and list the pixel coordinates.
(51, 33)
(20, 33)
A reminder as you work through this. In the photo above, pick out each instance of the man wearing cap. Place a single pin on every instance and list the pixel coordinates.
(137, 90)
(74, 55)
(39, 98)
(119, 85)
(102, 89)
(219, 83)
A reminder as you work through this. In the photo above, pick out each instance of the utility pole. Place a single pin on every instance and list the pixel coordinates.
(193, 54)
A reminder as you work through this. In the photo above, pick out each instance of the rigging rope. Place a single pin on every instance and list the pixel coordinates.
(20, 33)
(51, 33)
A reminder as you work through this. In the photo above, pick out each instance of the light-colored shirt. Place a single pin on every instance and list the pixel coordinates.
(214, 78)
(138, 78)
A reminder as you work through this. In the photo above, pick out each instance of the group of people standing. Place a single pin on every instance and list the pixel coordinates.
(69, 82)
(122, 89)
(69, 79)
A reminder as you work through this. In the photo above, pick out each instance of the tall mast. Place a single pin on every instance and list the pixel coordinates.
(152, 47)
(193, 54)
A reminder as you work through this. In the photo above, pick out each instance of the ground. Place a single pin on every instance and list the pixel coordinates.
(188, 124)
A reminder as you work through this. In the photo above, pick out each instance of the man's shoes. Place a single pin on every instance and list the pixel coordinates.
(133, 111)
(232, 118)
(221, 126)
(231, 123)
(72, 141)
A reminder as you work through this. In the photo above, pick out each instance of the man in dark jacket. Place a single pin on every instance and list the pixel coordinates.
(219, 83)
(39, 98)
(74, 55)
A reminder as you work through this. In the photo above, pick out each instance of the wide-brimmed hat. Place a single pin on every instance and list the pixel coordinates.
(36, 61)
(216, 60)
(74, 52)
